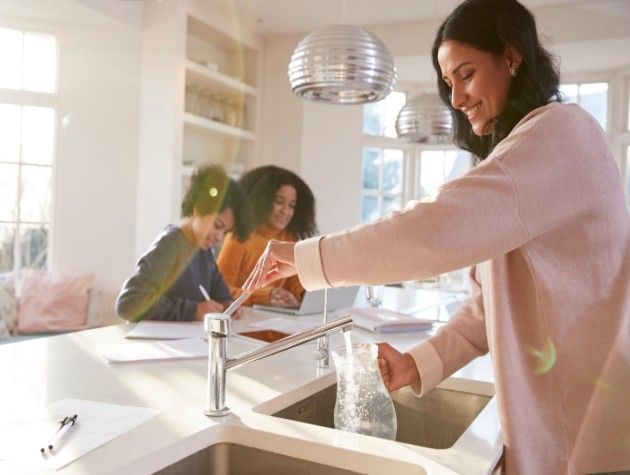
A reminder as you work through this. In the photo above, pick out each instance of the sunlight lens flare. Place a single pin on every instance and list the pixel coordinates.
(545, 358)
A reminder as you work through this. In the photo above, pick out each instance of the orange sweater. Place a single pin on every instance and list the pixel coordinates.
(237, 259)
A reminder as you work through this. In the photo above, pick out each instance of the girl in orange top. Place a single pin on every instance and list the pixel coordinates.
(283, 209)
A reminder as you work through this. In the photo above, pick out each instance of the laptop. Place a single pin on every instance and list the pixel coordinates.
(313, 302)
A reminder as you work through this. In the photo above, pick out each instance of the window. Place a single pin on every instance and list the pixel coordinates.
(379, 118)
(395, 172)
(382, 182)
(593, 97)
(28, 64)
(436, 167)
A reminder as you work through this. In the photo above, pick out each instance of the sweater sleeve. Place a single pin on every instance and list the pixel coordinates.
(230, 262)
(219, 290)
(457, 343)
(523, 189)
(142, 295)
(472, 219)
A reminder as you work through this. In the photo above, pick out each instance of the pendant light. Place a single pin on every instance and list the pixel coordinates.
(342, 64)
(424, 119)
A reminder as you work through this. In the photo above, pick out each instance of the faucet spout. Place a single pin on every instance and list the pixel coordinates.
(343, 324)
(218, 328)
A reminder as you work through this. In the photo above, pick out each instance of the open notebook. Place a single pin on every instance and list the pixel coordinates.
(381, 320)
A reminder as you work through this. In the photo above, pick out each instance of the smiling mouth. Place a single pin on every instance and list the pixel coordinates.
(472, 112)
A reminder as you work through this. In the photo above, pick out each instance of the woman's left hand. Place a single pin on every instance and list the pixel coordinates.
(277, 262)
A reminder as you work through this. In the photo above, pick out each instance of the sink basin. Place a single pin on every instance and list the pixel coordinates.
(435, 420)
(236, 459)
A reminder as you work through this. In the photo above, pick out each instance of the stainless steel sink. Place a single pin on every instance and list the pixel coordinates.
(236, 459)
(435, 420)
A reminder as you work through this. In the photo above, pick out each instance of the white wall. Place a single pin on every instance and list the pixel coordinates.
(95, 171)
(331, 162)
(281, 126)
(160, 132)
(322, 143)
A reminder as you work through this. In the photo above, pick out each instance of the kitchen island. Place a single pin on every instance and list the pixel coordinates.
(38, 372)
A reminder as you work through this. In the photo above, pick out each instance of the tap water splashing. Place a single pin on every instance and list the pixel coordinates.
(363, 404)
(347, 336)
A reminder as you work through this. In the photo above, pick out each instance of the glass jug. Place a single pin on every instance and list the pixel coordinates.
(363, 404)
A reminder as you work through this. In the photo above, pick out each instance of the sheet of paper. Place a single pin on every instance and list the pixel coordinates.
(167, 330)
(154, 350)
(97, 424)
(284, 325)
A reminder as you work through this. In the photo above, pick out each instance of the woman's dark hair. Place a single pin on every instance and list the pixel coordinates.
(261, 185)
(211, 191)
(491, 26)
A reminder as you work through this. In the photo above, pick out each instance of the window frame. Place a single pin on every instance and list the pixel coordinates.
(411, 159)
(21, 98)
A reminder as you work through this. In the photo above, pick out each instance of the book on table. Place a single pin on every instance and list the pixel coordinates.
(381, 320)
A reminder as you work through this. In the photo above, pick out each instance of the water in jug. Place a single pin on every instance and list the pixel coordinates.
(363, 404)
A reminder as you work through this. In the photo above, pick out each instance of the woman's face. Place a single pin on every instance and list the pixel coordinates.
(210, 229)
(479, 82)
(283, 207)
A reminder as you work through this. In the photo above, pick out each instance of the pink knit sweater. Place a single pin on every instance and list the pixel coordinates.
(544, 225)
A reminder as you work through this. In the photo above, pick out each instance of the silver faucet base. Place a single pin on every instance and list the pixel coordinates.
(218, 412)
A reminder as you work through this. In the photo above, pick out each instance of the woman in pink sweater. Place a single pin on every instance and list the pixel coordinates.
(543, 222)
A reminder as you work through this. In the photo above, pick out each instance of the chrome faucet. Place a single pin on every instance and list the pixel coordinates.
(218, 326)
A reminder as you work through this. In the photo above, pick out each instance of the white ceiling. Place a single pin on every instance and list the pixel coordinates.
(283, 17)
(588, 35)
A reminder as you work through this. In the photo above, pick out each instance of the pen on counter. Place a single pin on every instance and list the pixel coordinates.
(64, 428)
(204, 292)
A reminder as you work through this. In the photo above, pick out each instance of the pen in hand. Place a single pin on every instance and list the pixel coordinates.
(204, 292)
(64, 427)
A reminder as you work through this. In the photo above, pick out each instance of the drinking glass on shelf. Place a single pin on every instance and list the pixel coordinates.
(205, 108)
(191, 103)
(229, 112)
(216, 107)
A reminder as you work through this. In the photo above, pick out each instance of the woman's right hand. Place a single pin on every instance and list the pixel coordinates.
(277, 262)
(207, 306)
(397, 369)
(280, 297)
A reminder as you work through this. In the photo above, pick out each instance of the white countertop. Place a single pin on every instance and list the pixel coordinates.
(41, 371)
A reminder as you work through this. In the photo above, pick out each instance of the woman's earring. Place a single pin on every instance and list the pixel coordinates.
(513, 70)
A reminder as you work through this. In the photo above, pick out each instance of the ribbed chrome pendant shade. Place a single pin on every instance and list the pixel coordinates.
(424, 119)
(342, 64)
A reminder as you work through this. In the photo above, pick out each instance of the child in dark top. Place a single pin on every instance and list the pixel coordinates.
(166, 282)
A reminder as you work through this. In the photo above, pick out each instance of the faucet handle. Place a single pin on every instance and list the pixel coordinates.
(320, 354)
(218, 324)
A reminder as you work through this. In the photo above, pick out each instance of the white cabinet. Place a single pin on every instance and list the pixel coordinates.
(199, 104)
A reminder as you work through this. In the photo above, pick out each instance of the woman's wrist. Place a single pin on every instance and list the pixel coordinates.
(413, 375)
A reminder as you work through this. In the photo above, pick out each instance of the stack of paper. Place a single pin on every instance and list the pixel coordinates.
(381, 320)
(166, 330)
(154, 350)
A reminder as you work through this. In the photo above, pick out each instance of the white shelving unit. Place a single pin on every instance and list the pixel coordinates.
(225, 69)
(210, 126)
(189, 45)
(219, 82)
